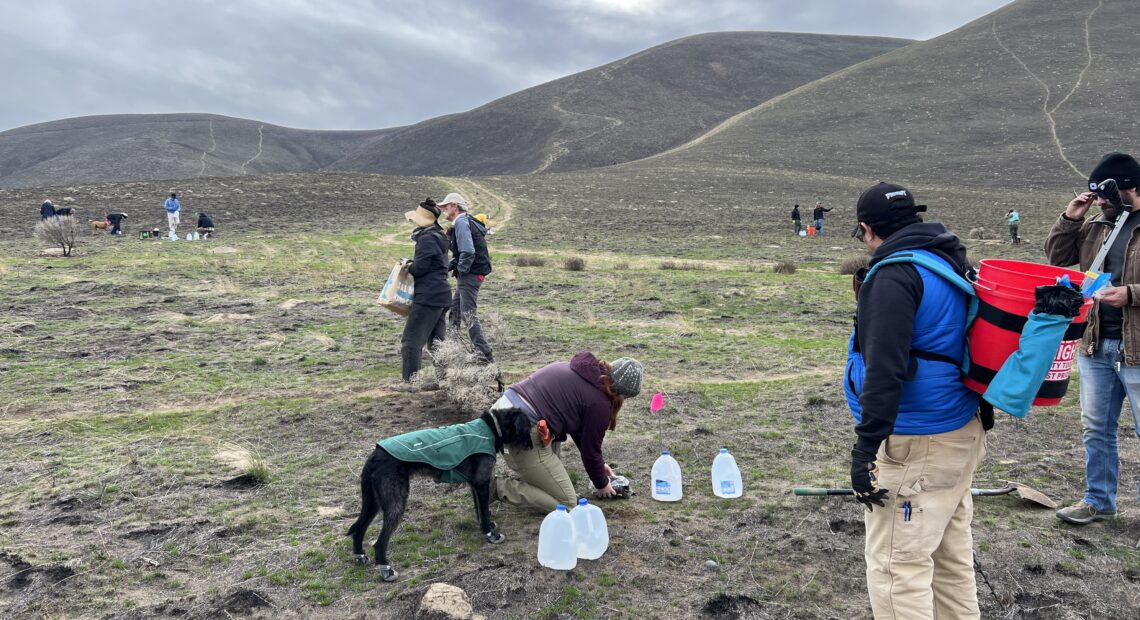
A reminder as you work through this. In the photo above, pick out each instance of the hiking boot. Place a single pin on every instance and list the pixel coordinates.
(1081, 513)
(404, 386)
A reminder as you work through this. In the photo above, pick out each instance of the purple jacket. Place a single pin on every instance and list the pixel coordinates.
(567, 396)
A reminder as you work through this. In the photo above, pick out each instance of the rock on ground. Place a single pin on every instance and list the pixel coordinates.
(445, 602)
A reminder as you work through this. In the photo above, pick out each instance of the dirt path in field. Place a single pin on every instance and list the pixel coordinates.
(498, 209)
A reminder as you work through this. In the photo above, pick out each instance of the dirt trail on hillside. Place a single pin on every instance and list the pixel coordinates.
(499, 211)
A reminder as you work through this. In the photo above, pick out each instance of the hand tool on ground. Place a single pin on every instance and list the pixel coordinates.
(1023, 491)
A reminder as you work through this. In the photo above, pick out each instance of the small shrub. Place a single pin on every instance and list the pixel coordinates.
(529, 260)
(784, 266)
(978, 233)
(682, 266)
(495, 328)
(622, 266)
(60, 232)
(468, 383)
(849, 266)
(574, 263)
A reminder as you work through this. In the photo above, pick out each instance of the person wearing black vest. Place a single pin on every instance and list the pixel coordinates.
(431, 295)
(470, 264)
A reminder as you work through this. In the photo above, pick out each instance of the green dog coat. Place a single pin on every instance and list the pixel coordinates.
(444, 447)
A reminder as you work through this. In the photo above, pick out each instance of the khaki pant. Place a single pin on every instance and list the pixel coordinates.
(922, 565)
(544, 484)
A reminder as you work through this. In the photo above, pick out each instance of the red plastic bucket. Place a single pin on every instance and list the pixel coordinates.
(1005, 291)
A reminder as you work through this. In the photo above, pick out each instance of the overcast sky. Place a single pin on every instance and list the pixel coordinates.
(370, 64)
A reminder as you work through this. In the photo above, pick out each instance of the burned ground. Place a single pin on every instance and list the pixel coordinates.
(184, 422)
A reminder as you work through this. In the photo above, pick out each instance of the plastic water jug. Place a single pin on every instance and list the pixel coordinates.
(557, 544)
(666, 479)
(726, 476)
(590, 528)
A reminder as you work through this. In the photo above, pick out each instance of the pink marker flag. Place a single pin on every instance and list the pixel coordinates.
(657, 403)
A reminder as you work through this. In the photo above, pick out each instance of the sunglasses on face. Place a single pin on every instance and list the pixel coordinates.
(857, 234)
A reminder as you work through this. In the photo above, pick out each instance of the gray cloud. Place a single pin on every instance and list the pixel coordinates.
(366, 64)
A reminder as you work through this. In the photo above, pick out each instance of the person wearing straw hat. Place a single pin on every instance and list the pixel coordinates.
(918, 435)
(470, 264)
(1109, 359)
(431, 294)
(579, 399)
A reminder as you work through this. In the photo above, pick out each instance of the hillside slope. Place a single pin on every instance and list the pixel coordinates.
(162, 146)
(1029, 96)
(625, 110)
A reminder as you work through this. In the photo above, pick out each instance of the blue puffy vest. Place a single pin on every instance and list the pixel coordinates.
(934, 400)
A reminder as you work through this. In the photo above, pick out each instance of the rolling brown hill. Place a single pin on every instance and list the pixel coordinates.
(625, 110)
(138, 147)
(1028, 96)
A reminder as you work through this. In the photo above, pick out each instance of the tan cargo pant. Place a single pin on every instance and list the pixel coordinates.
(544, 484)
(919, 549)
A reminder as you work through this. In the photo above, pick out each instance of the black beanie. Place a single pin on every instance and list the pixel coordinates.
(1119, 166)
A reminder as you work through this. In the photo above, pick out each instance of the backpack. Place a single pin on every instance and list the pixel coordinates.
(1013, 387)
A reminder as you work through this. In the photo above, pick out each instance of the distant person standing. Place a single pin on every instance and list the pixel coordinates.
(470, 264)
(172, 207)
(796, 225)
(116, 220)
(47, 210)
(817, 215)
(1014, 219)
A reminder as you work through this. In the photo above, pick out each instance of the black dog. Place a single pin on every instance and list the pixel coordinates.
(384, 480)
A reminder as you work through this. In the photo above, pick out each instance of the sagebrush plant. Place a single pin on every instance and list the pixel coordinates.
(682, 266)
(495, 328)
(468, 383)
(60, 232)
(784, 266)
(851, 264)
(529, 260)
(574, 263)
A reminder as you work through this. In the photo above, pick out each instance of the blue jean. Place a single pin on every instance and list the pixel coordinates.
(819, 226)
(1103, 389)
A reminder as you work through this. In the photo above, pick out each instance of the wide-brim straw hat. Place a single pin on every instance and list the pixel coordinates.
(421, 217)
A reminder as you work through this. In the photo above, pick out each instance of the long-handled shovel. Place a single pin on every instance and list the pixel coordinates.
(1029, 493)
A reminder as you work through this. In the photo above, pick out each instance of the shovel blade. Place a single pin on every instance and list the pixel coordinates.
(1035, 496)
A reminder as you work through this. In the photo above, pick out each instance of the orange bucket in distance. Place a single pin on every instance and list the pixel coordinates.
(811, 231)
(1006, 296)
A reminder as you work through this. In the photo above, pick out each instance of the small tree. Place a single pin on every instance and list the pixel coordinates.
(60, 231)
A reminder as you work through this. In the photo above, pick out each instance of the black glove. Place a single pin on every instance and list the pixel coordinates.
(863, 470)
(1058, 299)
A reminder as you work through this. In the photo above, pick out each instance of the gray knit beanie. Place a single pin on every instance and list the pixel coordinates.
(626, 373)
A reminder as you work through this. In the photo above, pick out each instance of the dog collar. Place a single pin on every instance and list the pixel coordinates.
(495, 421)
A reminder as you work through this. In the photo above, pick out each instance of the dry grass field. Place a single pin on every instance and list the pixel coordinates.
(184, 422)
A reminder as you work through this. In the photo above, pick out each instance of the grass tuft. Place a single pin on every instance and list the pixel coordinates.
(574, 263)
(784, 266)
(529, 260)
(850, 265)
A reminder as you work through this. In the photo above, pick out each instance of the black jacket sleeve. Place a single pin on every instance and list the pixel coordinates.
(887, 305)
(428, 257)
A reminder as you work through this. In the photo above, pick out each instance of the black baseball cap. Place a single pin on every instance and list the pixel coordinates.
(884, 204)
